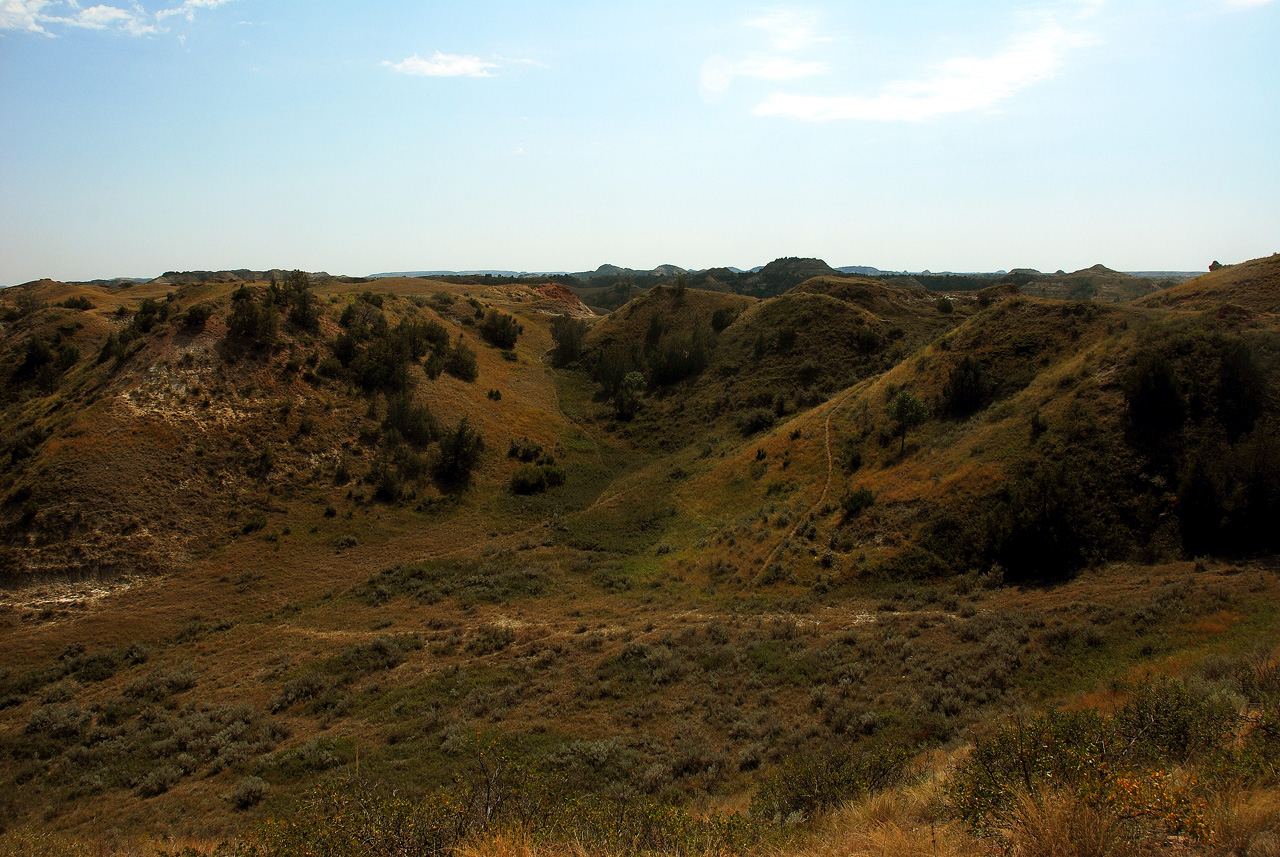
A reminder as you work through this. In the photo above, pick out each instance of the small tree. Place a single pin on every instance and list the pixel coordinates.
(251, 321)
(907, 412)
(414, 422)
(966, 390)
(304, 306)
(197, 316)
(855, 502)
(461, 362)
(460, 451)
(500, 329)
(682, 285)
(569, 335)
(27, 299)
(626, 401)
(1152, 394)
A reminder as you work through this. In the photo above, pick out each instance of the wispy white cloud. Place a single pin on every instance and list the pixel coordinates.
(22, 15)
(133, 21)
(35, 15)
(445, 65)
(958, 85)
(188, 9)
(718, 73)
(790, 30)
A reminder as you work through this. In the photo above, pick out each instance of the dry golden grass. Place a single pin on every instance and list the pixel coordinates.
(35, 842)
(1248, 824)
(902, 822)
(1049, 825)
(1253, 285)
(516, 845)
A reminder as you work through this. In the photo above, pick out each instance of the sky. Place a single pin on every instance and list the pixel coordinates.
(392, 135)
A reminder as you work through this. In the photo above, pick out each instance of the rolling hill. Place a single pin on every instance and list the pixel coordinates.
(262, 536)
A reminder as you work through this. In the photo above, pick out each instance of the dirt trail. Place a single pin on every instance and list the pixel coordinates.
(834, 405)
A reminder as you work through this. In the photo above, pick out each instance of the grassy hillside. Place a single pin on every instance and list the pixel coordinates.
(707, 558)
(1098, 283)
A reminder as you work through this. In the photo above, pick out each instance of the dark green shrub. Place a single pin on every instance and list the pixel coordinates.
(808, 373)
(612, 367)
(460, 452)
(678, 357)
(855, 502)
(1046, 525)
(809, 782)
(97, 667)
(906, 412)
(68, 356)
(148, 314)
(461, 362)
(525, 450)
(414, 422)
(111, 349)
(626, 401)
(304, 306)
(569, 335)
(757, 420)
(37, 356)
(197, 316)
(330, 367)
(252, 322)
(388, 486)
(1241, 389)
(528, 479)
(500, 329)
(1152, 392)
(786, 339)
(722, 318)
(966, 390)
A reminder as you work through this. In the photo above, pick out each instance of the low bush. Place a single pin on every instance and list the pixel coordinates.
(197, 316)
(249, 792)
(160, 684)
(810, 782)
(1126, 764)
(528, 479)
(755, 421)
(855, 502)
(500, 329)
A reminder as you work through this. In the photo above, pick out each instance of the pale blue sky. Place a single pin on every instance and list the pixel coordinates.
(139, 137)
